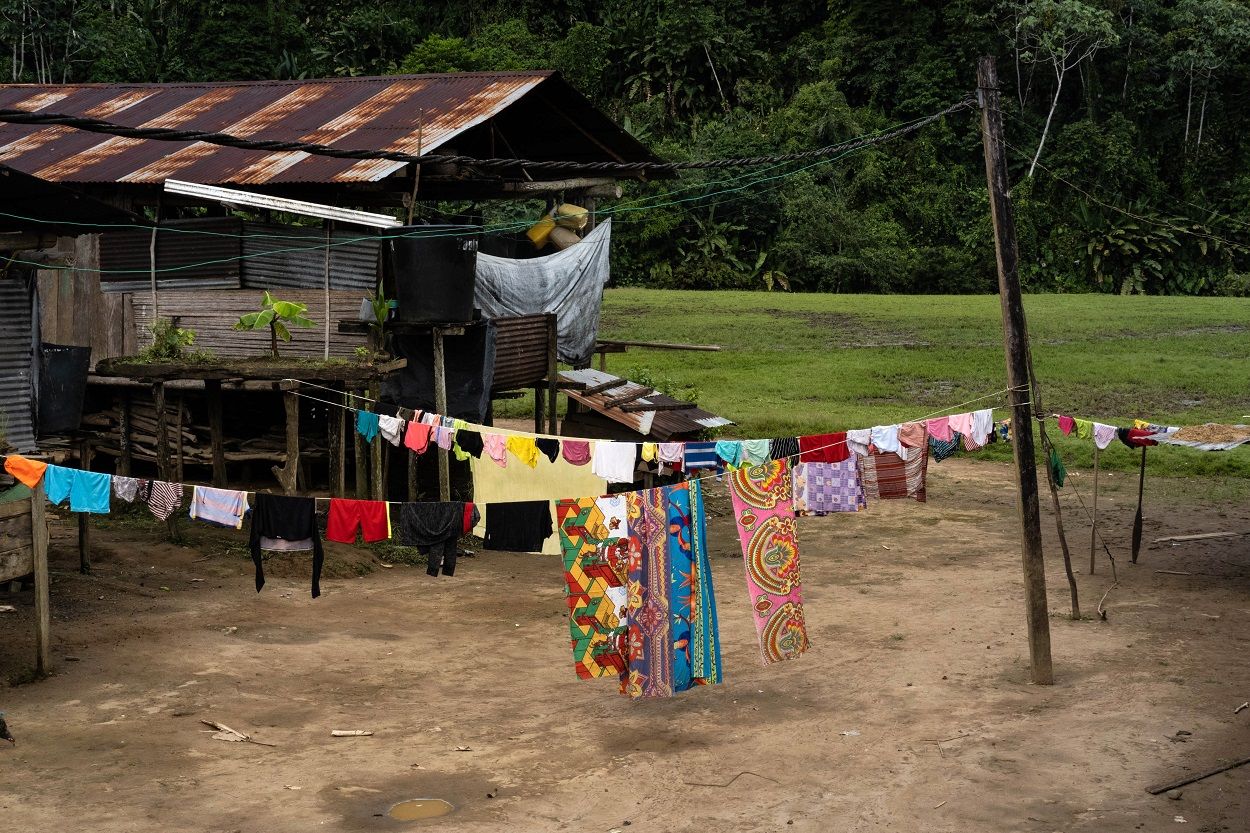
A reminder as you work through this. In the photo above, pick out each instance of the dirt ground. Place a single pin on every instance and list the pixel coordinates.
(911, 712)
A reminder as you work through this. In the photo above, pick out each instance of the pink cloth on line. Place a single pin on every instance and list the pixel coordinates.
(417, 437)
(496, 445)
(576, 452)
(1066, 424)
(444, 437)
(913, 435)
(764, 512)
(940, 429)
(961, 423)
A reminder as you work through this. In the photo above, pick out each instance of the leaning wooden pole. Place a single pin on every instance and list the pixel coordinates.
(1141, 491)
(1093, 518)
(1015, 348)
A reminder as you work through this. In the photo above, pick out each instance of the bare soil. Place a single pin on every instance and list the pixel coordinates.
(912, 711)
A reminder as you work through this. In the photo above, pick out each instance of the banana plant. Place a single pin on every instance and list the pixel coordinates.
(278, 316)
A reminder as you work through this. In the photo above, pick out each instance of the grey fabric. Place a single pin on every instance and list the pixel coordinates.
(569, 283)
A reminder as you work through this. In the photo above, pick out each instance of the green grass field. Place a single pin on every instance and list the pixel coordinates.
(795, 363)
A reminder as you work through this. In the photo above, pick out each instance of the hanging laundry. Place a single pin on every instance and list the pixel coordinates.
(1084, 429)
(496, 447)
(287, 522)
(549, 446)
(417, 437)
(346, 516)
(614, 461)
(823, 448)
(961, 423)
(913, 434)
(1066, 424)
(885, 437)
(1104, 435)
(88, 491)
(822, 488)
(576, 452)
(367, 424)
(857, 440)
(593, 542)
(524, 449)
(783, 447)
(434, 529)
(163, 499)
(392, 429)
(730, 452)
(521, 526)
(470, 442)
(444, 437)
(1057, 469)
(700, 455)
(704, 627)
(889, 476)
(764, 512)
(1136, 437)
(939, 428)
(982, 426)
(125, 488)
(755, 452)
(26, 471)
(941, 449)
(671, 453)
(219, 507)
(648, 452)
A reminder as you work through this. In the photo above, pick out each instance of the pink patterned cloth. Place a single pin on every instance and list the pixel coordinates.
(940, 429)
(764, 511)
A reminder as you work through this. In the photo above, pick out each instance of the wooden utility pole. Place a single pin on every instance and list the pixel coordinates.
(1016, 348)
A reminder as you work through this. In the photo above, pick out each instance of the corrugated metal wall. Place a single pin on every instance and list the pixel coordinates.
(16, 362)
(521, 351)
(276, 256)
(228, 253)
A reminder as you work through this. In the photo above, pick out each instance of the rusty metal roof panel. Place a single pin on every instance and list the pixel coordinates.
(395, 113)
(521, 351)
(662, 425)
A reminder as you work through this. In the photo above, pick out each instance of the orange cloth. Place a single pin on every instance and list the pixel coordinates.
(29, 472)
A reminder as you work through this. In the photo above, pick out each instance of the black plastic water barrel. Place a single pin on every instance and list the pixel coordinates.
(62, 386)
(435, 272)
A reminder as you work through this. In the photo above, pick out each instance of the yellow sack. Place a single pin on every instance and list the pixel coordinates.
(540, 231)
(572, 216)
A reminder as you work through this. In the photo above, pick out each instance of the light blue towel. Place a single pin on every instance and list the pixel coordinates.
(730, 451)
(88, 491)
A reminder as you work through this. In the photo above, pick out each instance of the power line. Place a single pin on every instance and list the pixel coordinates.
(165, 134)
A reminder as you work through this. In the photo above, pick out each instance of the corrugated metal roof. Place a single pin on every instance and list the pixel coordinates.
(16, 363)
(660, 424)
(401, 112)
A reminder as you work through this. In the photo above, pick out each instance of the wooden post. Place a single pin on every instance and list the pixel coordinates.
(377, 469)
(1093, 521)
(84, 519)
(552, 376)
(216, 430)
(43, 612)
(440, 405)
(540, 403)
(126, 455)
(338, 449)
(1015, 348)
(163, 471)
(1141, 489)
(178, 462)
(329, 234)
(287, 473)
(362, 465)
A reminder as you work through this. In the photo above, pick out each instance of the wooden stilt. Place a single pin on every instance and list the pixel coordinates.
(540, 423)
(376, 468)
(440, 405)
(552, 376)
(361, 451)
(338, 448)
(216, 430)
(43, 611)
(288, 473)
(164, 469)
(126, 456)
(178, 461)
(86, 456)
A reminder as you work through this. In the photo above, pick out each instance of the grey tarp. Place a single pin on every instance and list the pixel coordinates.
(569, 283)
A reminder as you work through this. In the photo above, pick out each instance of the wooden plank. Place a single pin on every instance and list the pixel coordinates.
(43, 613)
(16, 563)
(639, 407)
(617, 401)
(13, 509)
(593, 389)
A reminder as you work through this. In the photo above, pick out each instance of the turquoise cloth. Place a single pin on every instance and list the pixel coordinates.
(367, 424)
(88, 491)
(730, 451)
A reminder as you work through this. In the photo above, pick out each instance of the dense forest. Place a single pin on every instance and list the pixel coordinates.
(1125, 120)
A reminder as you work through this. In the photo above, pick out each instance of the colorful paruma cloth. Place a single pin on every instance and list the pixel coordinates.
(673, 640)
(764, 511)
(593, 538)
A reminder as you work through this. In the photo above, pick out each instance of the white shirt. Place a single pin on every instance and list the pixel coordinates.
(614, 462)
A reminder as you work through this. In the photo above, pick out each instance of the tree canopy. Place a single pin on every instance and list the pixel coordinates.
(1125, 121)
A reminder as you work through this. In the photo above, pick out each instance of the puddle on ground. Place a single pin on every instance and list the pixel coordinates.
(420, 808)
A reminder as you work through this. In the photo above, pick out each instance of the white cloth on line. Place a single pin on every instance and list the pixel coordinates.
(614, 462)
(885, 438)
(392, 428)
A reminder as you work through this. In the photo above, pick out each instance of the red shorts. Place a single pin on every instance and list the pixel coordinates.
(346, 515)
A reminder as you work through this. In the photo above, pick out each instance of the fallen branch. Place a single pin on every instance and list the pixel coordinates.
(1102, 614)
(350, 733)
(224, 732)
(731, 780)
(1200, 776)
(1176, 539)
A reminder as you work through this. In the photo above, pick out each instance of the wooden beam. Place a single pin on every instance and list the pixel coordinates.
(660, 345)
(593, 389)
(617, 401)
(639, 407)
(43, 611)
(593, 186)
(1016, 352)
